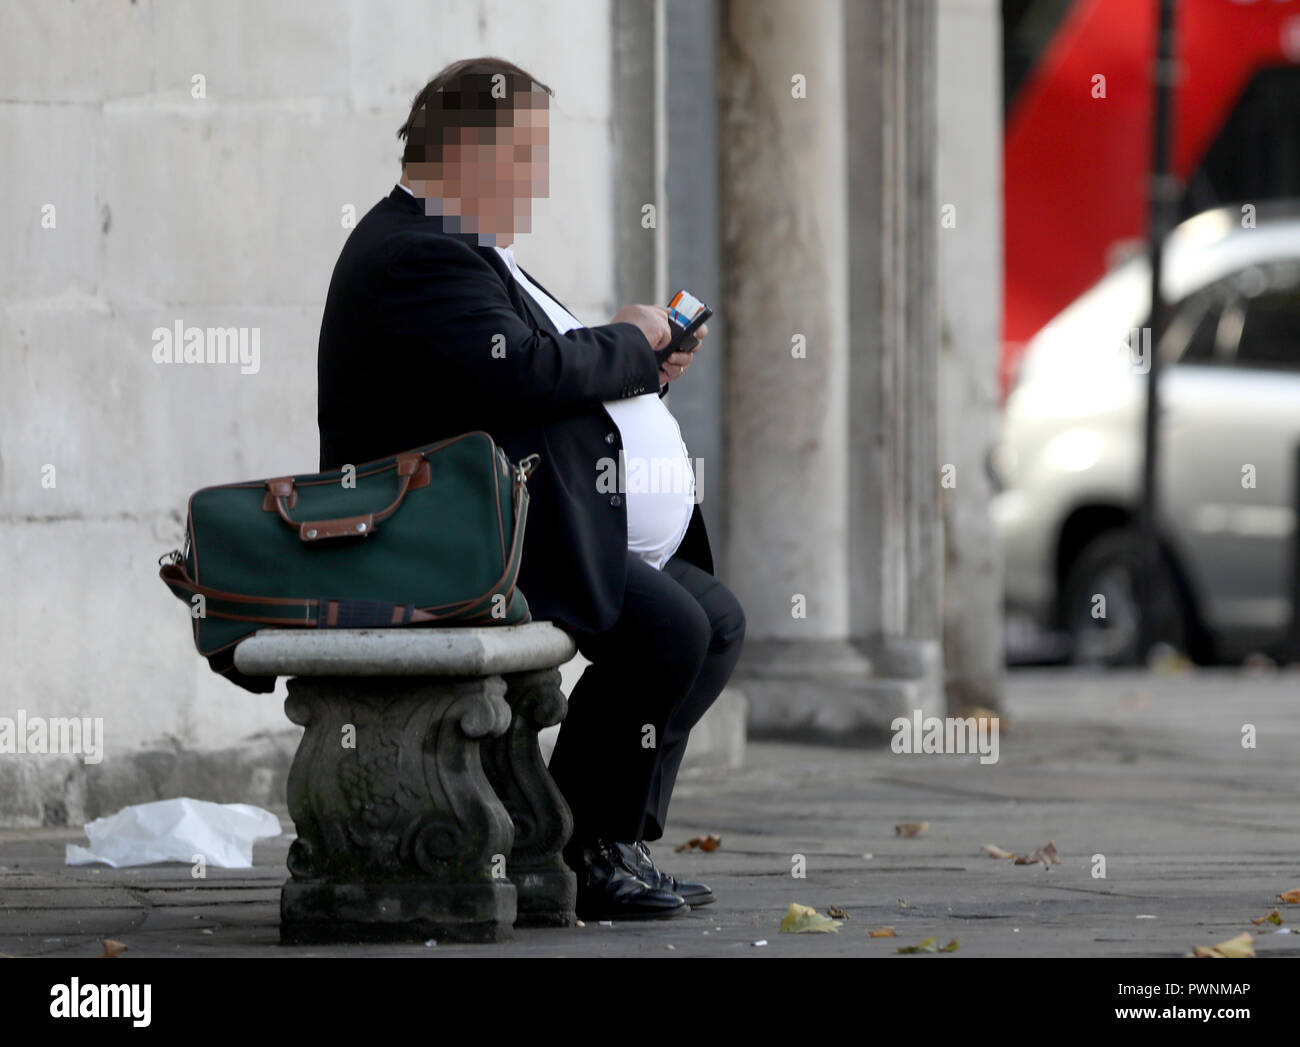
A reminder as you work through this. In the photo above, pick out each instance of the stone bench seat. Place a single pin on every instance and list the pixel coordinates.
(422, 804)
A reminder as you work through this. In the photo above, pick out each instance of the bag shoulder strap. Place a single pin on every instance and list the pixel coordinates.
(321, 612)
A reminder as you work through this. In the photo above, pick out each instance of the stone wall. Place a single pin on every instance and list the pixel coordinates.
(192, 162)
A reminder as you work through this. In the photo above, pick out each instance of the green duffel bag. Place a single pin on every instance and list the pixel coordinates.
(432, 535)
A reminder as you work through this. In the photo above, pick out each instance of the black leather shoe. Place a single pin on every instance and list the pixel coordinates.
(608, 890)
(637, 860)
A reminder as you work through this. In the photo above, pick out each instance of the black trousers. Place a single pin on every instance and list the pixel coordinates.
(654, 674)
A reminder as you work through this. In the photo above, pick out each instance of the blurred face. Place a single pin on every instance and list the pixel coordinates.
(489, 175)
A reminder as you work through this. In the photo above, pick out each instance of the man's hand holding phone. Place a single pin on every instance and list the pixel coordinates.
(675, 366)
(686, 316)
(674, 333)
(652, 321)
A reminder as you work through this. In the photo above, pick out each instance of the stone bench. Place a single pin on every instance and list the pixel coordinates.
(422, 804)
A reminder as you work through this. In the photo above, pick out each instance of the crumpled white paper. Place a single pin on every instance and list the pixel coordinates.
(176, 831)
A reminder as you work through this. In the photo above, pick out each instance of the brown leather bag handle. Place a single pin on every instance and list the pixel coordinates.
(412, 474)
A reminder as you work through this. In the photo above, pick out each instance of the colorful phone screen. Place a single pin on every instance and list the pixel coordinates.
(684, 308)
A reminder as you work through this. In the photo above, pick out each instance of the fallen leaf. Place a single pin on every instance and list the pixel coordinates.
(911, 828)
(803, 919)
(836, 913)
(1274, 917)
(952, 946)
(1291, 897)
(112, 949)
(927, 945)
(994, 851)
(1236, 948)
(882, 932)
(1045, 855)
(701, 843)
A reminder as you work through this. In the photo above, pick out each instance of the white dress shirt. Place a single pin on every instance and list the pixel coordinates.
(657, 481)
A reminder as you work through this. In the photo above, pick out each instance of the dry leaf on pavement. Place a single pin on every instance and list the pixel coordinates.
(1274, 917)
(994, 851)
(911, 828)
(882, 932)
(1233, 949)
(701, 843)
(931, 945)
(112, 949)
(803, 919)
(836, 913)
(1045, 855)
(1291, 897)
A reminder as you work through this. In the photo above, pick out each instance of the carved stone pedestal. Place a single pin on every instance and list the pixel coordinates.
(401, 835)
(513, 762)
(398, 827)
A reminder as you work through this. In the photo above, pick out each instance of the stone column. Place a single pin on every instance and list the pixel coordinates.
(691, 189)
(970, 272)
(826, 123)
(638, 245)
(897, 538)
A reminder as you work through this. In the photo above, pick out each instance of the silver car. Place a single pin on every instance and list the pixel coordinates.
(1069, 454)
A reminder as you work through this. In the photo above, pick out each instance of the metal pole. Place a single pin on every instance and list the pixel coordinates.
(1162, 197)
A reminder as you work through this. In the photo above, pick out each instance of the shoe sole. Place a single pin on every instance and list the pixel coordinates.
(704, 899)
(663, 915)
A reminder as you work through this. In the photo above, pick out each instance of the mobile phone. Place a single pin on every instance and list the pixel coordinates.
(685, 313)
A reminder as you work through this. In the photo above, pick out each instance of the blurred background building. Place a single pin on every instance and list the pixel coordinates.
(1080, 81)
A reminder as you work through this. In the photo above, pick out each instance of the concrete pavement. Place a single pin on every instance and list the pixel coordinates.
(1198, 835)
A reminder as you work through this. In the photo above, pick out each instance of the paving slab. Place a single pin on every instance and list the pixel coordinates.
(1146, 771)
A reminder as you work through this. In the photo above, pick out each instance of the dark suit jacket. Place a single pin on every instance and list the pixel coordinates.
(407, 358)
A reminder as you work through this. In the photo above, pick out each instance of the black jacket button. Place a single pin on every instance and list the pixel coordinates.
(615, 500)
(610, 438)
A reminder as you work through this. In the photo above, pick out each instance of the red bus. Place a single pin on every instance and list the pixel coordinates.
(1078, 86)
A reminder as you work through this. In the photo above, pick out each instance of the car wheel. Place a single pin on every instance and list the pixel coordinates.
(1107, 632)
